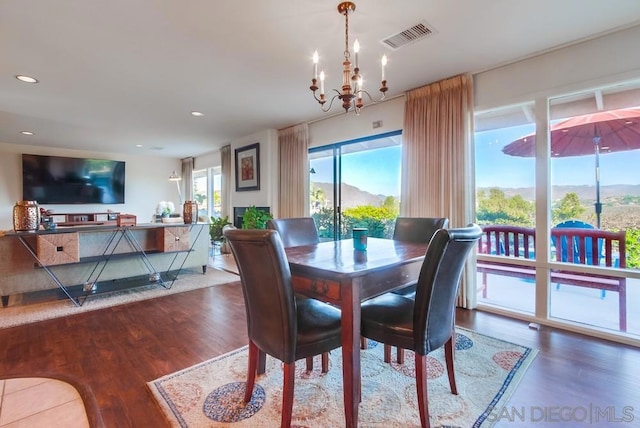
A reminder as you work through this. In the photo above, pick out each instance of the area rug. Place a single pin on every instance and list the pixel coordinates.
(187, 280)
(210, 394)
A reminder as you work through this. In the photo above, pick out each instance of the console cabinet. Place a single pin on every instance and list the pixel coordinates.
(86, 260)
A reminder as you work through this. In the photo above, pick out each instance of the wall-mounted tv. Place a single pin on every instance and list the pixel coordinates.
(64, 180)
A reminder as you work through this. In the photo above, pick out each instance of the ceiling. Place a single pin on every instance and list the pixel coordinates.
(120, 73)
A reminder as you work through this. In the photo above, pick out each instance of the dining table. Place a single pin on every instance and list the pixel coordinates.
(336, 273)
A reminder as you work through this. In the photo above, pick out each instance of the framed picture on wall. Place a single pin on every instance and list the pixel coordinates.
(248, 168)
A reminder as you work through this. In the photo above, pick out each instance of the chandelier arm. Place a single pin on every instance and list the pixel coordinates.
(370, 97)
(330, 102)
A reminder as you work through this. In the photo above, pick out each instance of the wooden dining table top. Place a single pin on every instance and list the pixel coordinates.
(339, 258)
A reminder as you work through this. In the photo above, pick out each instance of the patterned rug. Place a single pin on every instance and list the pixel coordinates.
(20, 313)
(210, 394)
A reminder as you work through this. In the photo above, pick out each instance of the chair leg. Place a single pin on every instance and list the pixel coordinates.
(251, 371)
(289, 370)
(387, 353)
(325, 362)
(449, 353)
(363, 343)
(421, 388)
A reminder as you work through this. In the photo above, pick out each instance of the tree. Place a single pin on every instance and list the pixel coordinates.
(496, 208)
(317, 198)
(377, 220)
(569, 207)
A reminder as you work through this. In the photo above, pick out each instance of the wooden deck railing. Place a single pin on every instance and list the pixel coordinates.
(592, 247)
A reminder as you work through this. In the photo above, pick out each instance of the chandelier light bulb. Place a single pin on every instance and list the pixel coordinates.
(315, 64)
(384, 63)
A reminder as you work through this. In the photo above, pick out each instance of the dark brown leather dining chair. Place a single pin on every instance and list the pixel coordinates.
(419, 230)
(425, 323)
(295, 231)
(278, 323)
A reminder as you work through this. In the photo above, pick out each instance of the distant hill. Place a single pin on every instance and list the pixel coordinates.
(585, 193)
(351, 195)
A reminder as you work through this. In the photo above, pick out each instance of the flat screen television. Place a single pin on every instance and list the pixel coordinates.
(64, 180)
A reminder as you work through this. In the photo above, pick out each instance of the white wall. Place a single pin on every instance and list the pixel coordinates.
(597, 62)
(207, 160)
(146, 182)
(267, 196)
(349, 126)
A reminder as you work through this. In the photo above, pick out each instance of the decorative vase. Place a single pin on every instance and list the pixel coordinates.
(26, 216)
(190, 212)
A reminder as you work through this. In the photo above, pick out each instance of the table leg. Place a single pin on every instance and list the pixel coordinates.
(351, 351)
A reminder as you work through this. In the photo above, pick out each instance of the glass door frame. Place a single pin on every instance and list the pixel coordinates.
(336, 149)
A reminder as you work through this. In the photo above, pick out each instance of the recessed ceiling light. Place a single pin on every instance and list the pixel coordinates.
(197, 113)
(138, 145)
(26, 79)
(26, 133)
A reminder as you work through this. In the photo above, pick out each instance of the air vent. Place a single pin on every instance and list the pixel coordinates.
(410, 35)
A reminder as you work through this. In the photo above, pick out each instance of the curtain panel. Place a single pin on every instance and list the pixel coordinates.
(225, 180)
(293, 144)
(187, 178)
(437, 159)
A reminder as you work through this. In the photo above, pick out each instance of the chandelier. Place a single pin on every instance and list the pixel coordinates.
(352, 83)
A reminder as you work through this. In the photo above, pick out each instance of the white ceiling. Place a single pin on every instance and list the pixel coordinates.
(118, 73)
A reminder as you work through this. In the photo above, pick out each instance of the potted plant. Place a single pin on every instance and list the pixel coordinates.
(216, 227)
(253, 218)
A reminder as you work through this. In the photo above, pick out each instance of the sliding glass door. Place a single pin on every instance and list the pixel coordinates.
(356, 184)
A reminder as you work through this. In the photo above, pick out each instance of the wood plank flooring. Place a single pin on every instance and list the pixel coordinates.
(110, 354)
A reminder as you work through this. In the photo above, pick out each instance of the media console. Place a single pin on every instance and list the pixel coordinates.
(86, 260)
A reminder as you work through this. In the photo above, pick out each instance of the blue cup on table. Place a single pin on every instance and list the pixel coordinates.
(360, 238)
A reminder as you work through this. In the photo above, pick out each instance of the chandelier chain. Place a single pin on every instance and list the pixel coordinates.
(347, 54)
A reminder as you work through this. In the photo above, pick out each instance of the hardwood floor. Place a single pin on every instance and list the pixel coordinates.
(110, 354)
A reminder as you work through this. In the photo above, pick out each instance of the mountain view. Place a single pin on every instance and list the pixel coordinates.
(621, 203)
(351, 195)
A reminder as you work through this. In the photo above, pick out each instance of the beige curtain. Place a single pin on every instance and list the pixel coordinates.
(437, 168)
(187, 178)
(293, 145)
(225, 181)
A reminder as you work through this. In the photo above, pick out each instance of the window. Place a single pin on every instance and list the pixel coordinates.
(206, 192)
(356, 184)
(591, 249)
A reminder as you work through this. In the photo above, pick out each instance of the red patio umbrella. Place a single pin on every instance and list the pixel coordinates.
(601, 132)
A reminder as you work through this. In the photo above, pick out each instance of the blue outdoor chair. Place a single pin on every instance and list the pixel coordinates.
(588, 242)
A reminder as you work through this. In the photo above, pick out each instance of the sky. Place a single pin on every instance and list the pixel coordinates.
(381, 169)
(378, 171)
(494, 168)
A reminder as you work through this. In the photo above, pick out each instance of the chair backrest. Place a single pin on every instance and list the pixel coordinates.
(268, 291)
(295, 231)
(438, 286)
(576, 224)
(418, 229)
